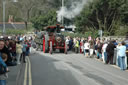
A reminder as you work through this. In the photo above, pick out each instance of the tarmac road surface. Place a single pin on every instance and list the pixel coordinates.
(70, 69)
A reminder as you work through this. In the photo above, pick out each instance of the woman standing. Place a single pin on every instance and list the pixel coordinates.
(86, 48)
(18, 51)
(122, 54)
(24, 51)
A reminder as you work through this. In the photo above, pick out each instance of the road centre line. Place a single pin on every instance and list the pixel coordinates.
(19, 74)
(27, 69)
(30, 73)
(25, 74)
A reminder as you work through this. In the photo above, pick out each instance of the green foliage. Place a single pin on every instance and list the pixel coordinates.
(73, 34)
(15, 31)
(81, 21)
(107, 15)
(30, 28)
(44, 20)
(85, 35)
(103, 15)
(122, 31)
(11, 31)
(93, 34)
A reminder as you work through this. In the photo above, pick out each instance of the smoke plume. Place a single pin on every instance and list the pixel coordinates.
(74, 9)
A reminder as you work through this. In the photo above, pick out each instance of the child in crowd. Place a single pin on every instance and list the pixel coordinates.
(4, 75)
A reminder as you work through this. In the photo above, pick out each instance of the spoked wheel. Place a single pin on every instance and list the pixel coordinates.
(50, 49)
(65, 48)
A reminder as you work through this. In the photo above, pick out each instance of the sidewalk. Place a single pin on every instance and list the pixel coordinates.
(14, 75)
(114, 65)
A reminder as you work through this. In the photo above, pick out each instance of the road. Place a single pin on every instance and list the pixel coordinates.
(71, 69)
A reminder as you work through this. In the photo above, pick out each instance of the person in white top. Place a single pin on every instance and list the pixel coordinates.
(67, 40)
(122, 54)
(18, 51)
(86, 48)
(118, 60)
(104, 52)
(82, 45)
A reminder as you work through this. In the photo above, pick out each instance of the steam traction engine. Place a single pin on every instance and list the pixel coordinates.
(53, 39)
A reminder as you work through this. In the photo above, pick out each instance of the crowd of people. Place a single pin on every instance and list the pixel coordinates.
(13, 51)
(108, 51)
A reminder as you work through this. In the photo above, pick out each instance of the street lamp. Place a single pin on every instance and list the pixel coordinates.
(4, 3)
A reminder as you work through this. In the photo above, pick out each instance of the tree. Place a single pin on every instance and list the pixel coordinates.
(32, 8)
(101, 15)
(42, 21)
(25, 7)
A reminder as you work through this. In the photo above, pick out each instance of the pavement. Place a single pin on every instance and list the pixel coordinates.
(15, 75)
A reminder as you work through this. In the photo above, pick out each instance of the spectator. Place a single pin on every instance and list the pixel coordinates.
(86, 48)
(5, 49)
(99, 50)
(24, 51)
(12, 45)
(122, 54)
(118, 59)
(110, 52)
(97, 40)
(18, 51)
(82, 45)
(28, 47)
(70, 44)
(77, 45)
(104, 52)
(3, 75)
(67, 41)
(91, 48)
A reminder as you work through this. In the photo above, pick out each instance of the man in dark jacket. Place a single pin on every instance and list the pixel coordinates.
(1, 47)
(110, 52)
(4, 49)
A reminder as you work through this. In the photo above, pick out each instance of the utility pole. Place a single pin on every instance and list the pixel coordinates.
(4, 5)
(4, 2)
(62, 14)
